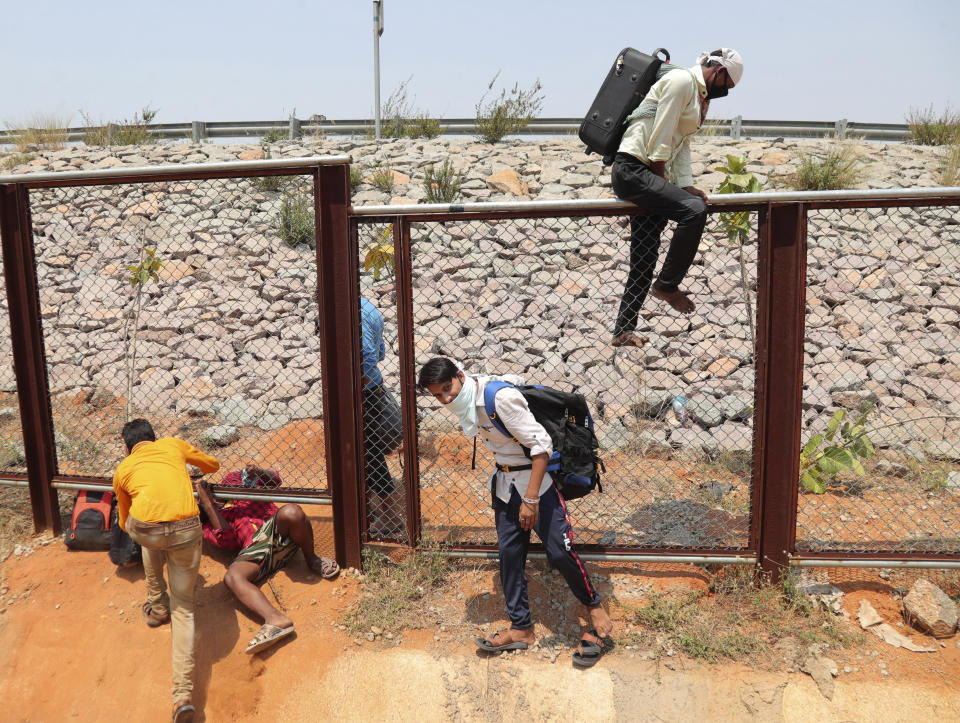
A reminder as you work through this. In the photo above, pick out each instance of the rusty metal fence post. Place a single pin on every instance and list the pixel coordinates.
(339, 303)
(781, 279)
(408, 389)
(19, 267)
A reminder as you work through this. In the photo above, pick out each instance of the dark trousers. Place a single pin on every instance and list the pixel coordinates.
(382, 432)
(634, 181)
(553, 529)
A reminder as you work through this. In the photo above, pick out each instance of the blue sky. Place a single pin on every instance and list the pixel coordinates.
(242, 60)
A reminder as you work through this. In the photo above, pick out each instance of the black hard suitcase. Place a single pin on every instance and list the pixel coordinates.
(627, 82)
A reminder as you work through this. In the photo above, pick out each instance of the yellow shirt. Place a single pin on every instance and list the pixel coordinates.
(152, 483)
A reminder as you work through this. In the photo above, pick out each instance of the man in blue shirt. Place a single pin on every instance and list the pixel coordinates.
(382, 427)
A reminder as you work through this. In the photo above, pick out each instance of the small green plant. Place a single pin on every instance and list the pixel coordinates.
(950, 165)
(38, 132)
(508, 113)
(423, 126)
(295, 219)
(17, 159)
(356, 177)
(382, 178)
(274, 135)
(392, 591)
(740, 620)
(441, 185)
(838, 168)
(146, 270)
(737, 224)
(826, 455)
(130, 132)
(929, 129)
(380, 255)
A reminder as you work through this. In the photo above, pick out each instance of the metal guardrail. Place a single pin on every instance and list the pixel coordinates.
(295, 128)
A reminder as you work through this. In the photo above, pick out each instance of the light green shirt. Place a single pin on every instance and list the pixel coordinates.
(662, 126)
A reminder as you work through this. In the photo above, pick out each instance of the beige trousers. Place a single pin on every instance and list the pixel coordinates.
(178, 544)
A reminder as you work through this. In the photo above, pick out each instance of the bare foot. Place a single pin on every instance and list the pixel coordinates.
(600, 621)
(677, 299)
(628, 338)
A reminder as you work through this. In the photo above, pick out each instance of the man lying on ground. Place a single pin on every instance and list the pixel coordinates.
(267, 538)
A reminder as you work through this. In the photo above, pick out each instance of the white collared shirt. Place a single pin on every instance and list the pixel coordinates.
(516, 416)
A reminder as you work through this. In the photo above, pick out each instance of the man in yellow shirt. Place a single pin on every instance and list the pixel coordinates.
(157, 509)
(652, 169)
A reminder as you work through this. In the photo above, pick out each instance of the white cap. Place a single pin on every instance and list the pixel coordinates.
(728, 58)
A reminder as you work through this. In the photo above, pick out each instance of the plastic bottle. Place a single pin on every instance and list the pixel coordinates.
(680, 409)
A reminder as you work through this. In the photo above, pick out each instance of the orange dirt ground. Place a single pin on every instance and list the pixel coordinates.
(75, 646)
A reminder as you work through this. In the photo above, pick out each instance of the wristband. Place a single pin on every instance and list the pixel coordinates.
(531, 502)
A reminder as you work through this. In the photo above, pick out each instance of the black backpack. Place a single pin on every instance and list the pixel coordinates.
(123, 550)
(91, 521)
(632, 75)
(574, 465)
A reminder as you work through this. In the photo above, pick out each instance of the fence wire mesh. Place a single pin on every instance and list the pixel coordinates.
(190, 303)
(538, 298)
(882, 360)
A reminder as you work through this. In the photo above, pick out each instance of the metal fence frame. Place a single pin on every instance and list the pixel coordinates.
(331, 197)
(781, 269)
(781, 286)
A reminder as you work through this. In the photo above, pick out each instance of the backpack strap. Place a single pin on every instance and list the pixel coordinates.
(490, 405)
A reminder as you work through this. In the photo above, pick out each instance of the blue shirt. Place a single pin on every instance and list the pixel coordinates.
(371, 339)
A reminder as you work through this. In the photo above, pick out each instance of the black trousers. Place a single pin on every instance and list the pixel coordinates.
(634, 181)
(553, 529)
(382, 431)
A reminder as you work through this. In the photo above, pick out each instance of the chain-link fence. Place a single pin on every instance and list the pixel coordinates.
(192, 303)
(880, 467)
(538, 297)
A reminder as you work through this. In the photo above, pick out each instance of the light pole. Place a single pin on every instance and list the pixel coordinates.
(377, 32)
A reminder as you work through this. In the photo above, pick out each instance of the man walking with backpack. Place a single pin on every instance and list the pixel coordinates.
(652, 169)
(524, 499)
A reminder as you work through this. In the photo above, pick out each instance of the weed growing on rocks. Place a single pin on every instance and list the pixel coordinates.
(738, 620)
(131, 132)
(356, 177)
(950, 166)
(392, 591)
(929, 129)
(294, 222)
(840, 167)
(441, 185)
(382, 178)
(508, 113)
(401, 120)
(39, 132)
(17, 159)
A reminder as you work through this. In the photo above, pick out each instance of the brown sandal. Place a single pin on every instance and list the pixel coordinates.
(154, 620)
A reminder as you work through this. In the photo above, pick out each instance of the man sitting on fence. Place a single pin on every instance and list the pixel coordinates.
(524, 498)
(267, 538)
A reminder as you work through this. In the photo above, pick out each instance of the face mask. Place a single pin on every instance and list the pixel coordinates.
(247, 479)
(464, 405)
(715, 92)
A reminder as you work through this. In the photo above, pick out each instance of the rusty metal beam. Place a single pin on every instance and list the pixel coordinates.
(781, 287)
(26, 333)
(408, 387)
(338, 300)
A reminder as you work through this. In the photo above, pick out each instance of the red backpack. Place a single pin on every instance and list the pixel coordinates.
(91, 521)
